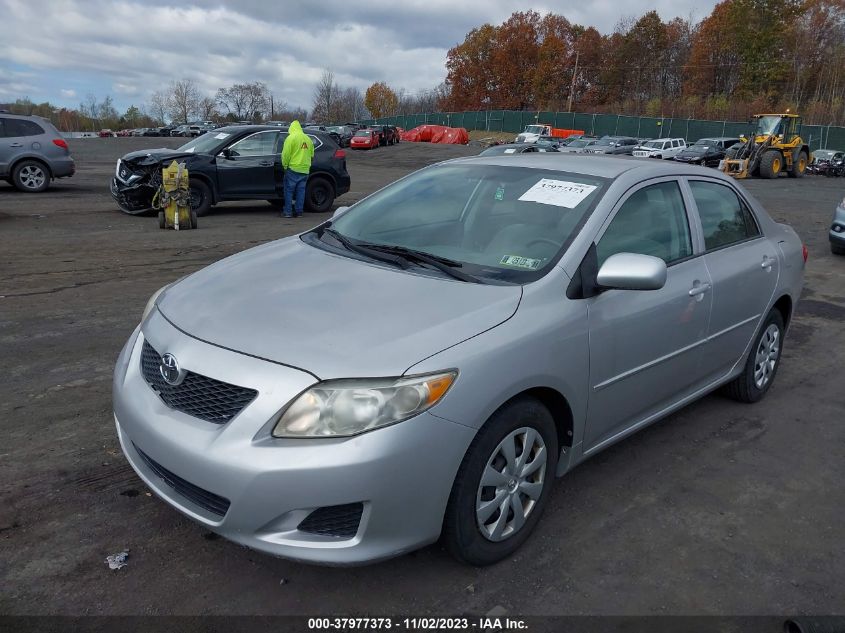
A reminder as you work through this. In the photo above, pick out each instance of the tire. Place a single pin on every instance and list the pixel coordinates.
(771, 164)
(31, 176)
(194, 223)
(162, 222)
(468, 534)
(319, 195)
(200, 197)
(798, 166)
(836, 249)
(760, 368)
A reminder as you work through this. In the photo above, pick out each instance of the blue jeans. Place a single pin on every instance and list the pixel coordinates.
(294, 184)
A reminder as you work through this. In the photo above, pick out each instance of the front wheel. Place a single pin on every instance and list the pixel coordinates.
(836, 249)
(762, 363)
(771, 164)
(200, 197)
(799, 165)
(503, 484)
(319, 195)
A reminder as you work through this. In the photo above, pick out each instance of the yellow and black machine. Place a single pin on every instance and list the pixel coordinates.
(775, 146)
(173, 199)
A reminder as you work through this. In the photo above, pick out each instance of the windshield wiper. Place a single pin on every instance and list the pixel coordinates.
(366, 250)
(443, 264)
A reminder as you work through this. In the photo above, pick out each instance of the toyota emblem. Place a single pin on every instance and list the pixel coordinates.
(169, 370)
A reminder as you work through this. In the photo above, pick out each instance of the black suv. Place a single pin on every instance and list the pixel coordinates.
(240, 162)
(706, 151)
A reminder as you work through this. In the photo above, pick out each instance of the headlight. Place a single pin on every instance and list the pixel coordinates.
(348, 407)
(152, 302)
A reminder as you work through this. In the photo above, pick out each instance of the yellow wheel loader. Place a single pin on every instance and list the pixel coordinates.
(173, 199)
(774, 147)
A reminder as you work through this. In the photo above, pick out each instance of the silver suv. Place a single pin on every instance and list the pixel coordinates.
(32, 152)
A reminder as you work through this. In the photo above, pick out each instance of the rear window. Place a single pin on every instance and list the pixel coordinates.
(20, 127)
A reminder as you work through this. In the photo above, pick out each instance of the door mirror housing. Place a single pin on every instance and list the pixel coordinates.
(631, 271)
(226, 153)
(339, 211)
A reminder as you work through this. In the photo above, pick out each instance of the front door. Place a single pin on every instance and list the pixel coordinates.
(744, 266)
(248, 171)
(645, 346)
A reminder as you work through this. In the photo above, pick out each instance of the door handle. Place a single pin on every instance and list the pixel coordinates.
(266, 163)
(700, 289)
(15, 144)
(767, 263)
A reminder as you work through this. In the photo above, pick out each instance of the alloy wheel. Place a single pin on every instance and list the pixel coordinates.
(767, 356)
(32, 177)
(511, 484)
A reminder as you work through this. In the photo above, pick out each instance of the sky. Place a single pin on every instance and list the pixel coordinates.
(62, 50)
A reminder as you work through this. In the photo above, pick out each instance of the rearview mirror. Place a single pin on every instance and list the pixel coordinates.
(631, 271)
(339, 211)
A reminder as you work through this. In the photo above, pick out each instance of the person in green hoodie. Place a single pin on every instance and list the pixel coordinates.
(297, 153)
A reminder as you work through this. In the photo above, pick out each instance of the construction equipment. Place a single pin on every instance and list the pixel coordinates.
(774, 146)
(173, 199)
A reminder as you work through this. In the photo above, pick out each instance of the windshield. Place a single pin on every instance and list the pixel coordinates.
(579, 143)
(654, 144)
(363, 134)
(769, 125)
(704, 142)
(502, 223)
(534, 129)
(823, 154)
(605, 141)
(205, 144)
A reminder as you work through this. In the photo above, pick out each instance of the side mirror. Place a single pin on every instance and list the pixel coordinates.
(339, 212)
(630, 271)
(226, 153)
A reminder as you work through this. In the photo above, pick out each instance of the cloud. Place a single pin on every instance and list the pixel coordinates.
(105, 43)
(67, 93)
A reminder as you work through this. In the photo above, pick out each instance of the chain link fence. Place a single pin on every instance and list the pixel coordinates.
(818, 136)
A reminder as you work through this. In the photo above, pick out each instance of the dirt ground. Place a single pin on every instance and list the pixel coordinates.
(720, 509)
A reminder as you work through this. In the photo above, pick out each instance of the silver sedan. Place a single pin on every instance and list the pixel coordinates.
(425, 364)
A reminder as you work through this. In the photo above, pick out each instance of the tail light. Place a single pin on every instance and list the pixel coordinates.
(805, 252)
(339, 153)
(60, 142)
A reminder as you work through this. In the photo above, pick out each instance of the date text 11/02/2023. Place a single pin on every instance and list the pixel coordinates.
(487, 624)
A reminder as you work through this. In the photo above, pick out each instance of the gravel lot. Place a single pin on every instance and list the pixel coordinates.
(720, 509)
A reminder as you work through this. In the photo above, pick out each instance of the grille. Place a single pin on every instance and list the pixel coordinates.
(203, 498)
(200, 396)
(341, 521)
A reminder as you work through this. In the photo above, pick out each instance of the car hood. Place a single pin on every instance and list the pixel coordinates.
(328, 314)
(153, 156)
(693, 151)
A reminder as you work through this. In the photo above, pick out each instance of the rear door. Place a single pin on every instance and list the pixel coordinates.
(249, 170)
(646, 346)
(744, 268)
(16, 136)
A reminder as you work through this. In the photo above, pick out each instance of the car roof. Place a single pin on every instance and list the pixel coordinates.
(586, 164)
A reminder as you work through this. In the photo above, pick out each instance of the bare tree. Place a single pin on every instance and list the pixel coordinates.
(350, 105)
(325, 96)
(158, 106)
(245, 101)
(106, 109)
(207, 109)
(182, 100)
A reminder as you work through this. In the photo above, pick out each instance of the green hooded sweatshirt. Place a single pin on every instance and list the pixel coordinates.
(298, 150)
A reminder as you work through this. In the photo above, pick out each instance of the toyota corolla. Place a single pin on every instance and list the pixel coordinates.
(426, 363)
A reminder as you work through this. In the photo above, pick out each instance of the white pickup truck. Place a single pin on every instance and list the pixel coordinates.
(661, 148)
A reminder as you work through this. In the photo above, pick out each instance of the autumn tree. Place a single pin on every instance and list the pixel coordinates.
(380, 100)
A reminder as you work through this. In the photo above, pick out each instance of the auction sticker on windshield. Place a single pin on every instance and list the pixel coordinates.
(221, 135)
(521, 262)
(560, 193)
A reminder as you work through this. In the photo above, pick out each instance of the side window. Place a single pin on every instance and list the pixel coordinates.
(260, 144)
(2, 127)
(317, 142)
(724, 218)
(22, 127)
(652, 221)
(676, 143)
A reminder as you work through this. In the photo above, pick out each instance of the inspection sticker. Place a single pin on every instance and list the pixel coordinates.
(559, 193)
(221, 135)
(510, 150)
(521, 262)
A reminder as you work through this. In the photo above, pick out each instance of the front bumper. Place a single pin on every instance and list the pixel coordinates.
(132, 199)
(402, 474)
(838, 236)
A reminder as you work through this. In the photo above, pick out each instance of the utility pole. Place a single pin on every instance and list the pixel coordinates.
(572, 87)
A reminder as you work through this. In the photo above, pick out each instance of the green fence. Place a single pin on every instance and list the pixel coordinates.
(514, 121)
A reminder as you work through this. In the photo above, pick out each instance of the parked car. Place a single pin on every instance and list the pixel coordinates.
(125, 132)
(32, 153)
(578, 146)
(165, 131)
(549, 143)
(612, 145)
(660, 148)
(364, 139)
(106, 133)
(151, 131)
(232, 163)
(826, 162)
(138, 131)
(707, 152)
(837, 230)
(180, 130)
(515, 148)
(344, 134)
(501, 325)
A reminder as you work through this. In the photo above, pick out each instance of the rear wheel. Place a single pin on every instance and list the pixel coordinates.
(31, 176)
(319, 195)
(200, 197)
(771, 164)
(162, 222)
(762, 363)
(503, 484)
(799, 165)
(193, 219)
